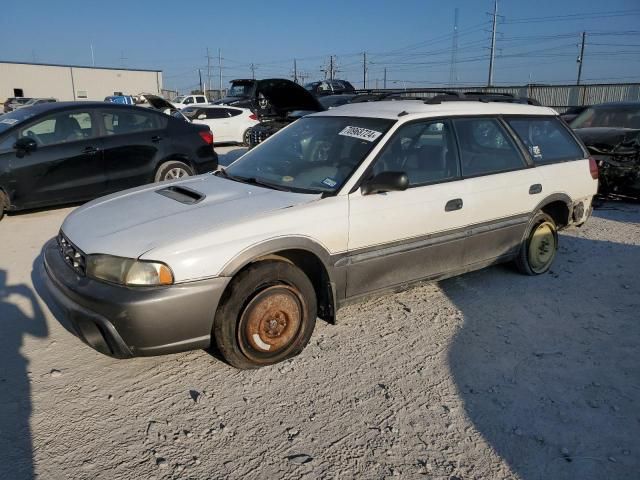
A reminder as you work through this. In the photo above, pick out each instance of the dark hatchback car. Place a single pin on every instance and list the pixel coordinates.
(57, 153)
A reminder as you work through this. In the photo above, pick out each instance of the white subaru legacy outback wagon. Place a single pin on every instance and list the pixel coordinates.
(338, 206)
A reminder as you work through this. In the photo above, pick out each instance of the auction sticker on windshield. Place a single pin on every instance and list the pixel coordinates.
(360, 133)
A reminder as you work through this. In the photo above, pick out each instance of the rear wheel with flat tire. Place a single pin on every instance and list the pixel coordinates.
(539, 247)
(266, 316)
(173, 170)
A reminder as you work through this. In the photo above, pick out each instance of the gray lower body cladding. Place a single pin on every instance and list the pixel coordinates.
(127, 322)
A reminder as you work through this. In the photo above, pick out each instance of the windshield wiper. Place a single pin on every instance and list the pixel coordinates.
(249, 180)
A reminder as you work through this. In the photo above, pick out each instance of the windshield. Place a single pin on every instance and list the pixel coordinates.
(31, 102)
(239, 90)
(312, 155)
(613, 116)
(10, 119)
(178, 100)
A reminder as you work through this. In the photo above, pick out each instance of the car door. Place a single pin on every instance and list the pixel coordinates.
(403, 236)
(238, 124)
(503, 188)
(219, 123)
(67, 165)
(133, 141)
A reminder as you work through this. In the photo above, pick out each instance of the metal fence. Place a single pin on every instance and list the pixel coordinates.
(559, 97)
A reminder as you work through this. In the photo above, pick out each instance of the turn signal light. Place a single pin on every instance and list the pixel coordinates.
(253, 116)
(593, 168)
(207, 136)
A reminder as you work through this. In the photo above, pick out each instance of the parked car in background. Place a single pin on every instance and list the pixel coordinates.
(611, 132)
(38, 101)
(241, 93)
(56, 153)
(329, 87)
(333, 101)
(228, 124)
(279, 102)
(122, 99)
(572, 112)
(184, 101)
(339, 206)
(14, 102)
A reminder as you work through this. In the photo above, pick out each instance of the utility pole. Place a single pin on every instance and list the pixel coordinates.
(295, 71)
(220, 71)
(253, 71)
(493, 42)
(581, 58)
(93, 59)
(454, 50)
(200, 76)
(208, 70)
(331, 68)
(364, 69)
(384, 84)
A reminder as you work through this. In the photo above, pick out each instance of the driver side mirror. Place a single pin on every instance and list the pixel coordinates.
(386, 182)
(25, 145)
(202, 116)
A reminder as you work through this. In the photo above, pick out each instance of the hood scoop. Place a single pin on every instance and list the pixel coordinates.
(182, 194)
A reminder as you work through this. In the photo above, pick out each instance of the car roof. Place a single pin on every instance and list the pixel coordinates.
(617, 104)
(392, 109)
(45, 107)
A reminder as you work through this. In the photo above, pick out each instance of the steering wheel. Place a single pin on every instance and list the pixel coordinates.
(35, 137)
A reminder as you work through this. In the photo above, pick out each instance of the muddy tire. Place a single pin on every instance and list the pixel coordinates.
(267, 315)
(539, 246)
(173, 170)
(4, 204)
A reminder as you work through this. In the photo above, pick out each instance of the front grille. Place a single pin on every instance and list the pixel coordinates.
(259, 136)
(72, 255)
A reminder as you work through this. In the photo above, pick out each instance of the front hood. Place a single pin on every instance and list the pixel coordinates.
(132, 222)
(609, 139)
(279, 96)
(159, 103)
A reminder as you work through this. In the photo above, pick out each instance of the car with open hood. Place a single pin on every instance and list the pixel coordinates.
(611, 132)
(336, 207)
(279, 102)
(69, 152)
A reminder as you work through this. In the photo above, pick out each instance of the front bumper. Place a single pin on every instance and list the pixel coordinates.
(127, 322)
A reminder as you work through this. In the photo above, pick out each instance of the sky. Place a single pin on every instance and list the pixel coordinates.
(536, 42)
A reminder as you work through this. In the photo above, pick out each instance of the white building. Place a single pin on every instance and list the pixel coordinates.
(74, 82)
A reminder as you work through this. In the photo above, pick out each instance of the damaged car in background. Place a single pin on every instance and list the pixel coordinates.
(277, 103)
(611, 132)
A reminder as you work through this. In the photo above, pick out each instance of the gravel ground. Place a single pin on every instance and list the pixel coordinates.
(488, 375)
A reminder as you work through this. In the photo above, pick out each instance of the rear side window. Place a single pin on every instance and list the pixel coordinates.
(213, 113)
(546, 139)
(123, 122)
(486, 147)
(201, 100)
(233, 112)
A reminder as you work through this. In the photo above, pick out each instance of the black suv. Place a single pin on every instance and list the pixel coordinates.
(56, 153)
(329, 87)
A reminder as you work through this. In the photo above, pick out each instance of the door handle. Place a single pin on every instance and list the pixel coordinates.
(535, 188)
(156, 138)
(455, 204)
(90, 150)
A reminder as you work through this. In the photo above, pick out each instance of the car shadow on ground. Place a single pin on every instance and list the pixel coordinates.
(15, 389)
(227, 158)
(548, 366)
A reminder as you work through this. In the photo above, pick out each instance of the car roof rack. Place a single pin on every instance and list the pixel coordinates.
(481, 97)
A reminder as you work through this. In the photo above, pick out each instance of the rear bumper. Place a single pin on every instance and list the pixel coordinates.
(127, 322)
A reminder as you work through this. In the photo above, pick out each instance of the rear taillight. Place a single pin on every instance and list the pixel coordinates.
(593, 168)
(253, 116)
(207, 136)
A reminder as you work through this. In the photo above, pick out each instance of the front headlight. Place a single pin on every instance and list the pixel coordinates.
(127, 271)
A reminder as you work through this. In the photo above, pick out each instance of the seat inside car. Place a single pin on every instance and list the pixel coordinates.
(67, 129)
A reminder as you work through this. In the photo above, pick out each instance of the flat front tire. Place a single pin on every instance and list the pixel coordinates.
(173, 170)
(539, 247)
(267, 315)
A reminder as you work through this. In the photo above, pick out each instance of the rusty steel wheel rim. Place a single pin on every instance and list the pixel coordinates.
(271, 320)
(542, 247)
